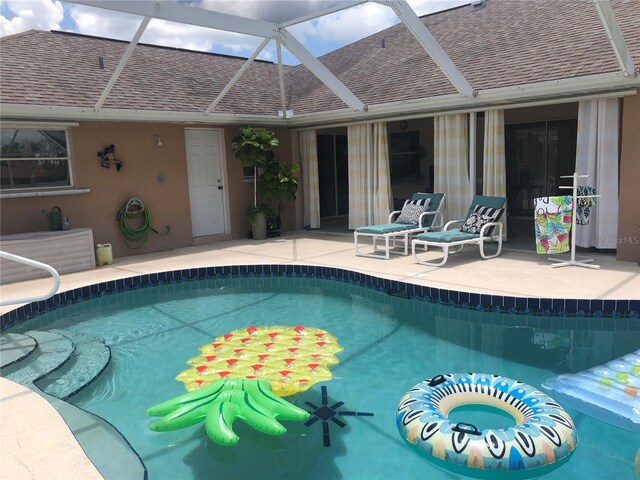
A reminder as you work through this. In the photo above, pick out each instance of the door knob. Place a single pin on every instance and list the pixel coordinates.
(220, 187)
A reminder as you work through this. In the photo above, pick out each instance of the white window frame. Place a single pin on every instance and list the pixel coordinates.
(45, 190)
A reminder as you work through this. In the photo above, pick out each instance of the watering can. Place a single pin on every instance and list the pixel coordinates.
(55, 218)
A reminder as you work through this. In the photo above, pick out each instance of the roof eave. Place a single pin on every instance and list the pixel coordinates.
(48, 112)
(552, 91)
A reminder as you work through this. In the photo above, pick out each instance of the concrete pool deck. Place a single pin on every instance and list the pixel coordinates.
(44, 447)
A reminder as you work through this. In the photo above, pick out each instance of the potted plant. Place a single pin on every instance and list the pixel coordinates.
(277, 183)
(258, 217)
(254, 148)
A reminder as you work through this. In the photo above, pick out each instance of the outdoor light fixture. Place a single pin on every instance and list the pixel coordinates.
(158, 140)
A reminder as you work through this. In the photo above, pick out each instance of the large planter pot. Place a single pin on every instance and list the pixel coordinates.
(259, 227)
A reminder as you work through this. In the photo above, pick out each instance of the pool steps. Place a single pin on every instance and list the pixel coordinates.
(86, 363)
(62, 363)
(52, 352)
(57, 364)
(14, 347)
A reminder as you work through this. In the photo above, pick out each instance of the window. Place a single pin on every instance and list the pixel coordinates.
(32, 158)
(248, 173)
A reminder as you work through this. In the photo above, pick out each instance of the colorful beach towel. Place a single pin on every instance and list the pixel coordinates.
(553, 224)
(584, 206)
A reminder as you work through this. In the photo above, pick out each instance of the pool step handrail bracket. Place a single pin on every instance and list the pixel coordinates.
(36, 264)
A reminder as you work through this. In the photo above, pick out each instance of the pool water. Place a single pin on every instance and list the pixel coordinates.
(390, 344)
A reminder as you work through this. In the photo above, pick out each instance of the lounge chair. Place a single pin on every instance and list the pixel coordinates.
(395, 236)
(474, 230)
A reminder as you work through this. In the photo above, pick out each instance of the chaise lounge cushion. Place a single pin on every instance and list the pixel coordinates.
(446, 236)
(385, 228)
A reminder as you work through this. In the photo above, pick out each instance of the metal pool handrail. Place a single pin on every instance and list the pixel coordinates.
(32, 263)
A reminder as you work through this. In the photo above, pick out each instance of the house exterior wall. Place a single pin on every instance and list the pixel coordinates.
(629, 198)
(167, 202)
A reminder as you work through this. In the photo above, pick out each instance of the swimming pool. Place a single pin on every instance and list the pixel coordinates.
(390, 344)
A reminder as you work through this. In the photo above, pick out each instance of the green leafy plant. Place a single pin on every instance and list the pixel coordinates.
(278, 183)
(254, 148)
(253, 211)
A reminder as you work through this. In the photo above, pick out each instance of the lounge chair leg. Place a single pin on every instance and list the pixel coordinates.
(486, 257)
(445, 255)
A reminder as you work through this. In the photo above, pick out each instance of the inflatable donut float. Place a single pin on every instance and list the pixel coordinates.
(543, 439)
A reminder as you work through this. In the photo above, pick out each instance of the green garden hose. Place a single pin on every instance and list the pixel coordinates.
(135, 237)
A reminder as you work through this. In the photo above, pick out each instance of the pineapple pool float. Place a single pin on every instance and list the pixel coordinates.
(244, 374)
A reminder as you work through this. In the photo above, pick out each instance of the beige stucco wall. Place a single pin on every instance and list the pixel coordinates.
(168, 203)
(629, 199)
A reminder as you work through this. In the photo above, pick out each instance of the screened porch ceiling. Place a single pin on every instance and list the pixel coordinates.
(275, 28)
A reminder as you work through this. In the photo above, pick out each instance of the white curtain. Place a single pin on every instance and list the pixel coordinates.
(310, 182)
(382, 198)
(597, 156)
(369, 180)
(451, 170)
(494, 173)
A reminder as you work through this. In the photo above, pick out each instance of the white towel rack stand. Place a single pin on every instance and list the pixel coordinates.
(578, 263)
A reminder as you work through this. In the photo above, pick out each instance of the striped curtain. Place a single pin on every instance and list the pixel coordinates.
(382, 199)
(310, 182)
(597, 156)
(369, 180)
(494, 171)
(451, 170)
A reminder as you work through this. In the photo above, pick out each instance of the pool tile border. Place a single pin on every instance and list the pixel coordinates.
(622, 310)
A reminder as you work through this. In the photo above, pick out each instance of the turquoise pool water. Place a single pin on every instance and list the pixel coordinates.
(390, 344)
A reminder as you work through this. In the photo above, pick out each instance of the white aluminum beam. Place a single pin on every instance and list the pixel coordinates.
(614, 34)
(237, 76)
(283, 98)
(430, 44)
(196, 16)
(60, 113)
(473, 125)
(123, 62)
(176, 12)
(319, 70)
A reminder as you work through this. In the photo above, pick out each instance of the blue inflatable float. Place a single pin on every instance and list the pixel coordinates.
(543, 439)
(608, 392)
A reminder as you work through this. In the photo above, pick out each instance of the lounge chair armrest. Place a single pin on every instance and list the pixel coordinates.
(487, 226)
(437, 221)
(450, 223)
(394, 214)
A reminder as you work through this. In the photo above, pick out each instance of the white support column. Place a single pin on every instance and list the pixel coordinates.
(237, 76)
(319, 70)
(283, 99)
(472, 154)
(123, 62)
(430, 44)
(614, 34)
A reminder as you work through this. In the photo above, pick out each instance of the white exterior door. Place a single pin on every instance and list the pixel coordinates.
(205, 181)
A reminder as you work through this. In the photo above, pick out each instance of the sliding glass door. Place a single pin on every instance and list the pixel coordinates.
(537, 155)
(333, 175)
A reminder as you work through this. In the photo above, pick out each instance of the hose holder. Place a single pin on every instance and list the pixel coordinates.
(134, 207)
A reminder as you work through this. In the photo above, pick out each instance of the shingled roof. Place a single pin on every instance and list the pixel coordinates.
(504, 43)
